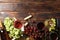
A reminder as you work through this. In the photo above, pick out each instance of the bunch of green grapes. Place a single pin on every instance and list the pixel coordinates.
(13, 32)
(8, 22)
(50, 23)
(53, 24)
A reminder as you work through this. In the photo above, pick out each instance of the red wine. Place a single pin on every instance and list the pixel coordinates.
(17, 24)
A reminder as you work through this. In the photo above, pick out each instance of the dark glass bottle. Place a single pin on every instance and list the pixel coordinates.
(54, 35)
(3, 33)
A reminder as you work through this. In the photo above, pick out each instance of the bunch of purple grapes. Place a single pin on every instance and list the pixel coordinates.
(33, 32)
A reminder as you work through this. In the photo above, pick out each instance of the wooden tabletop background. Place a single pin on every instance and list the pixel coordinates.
(40, 9)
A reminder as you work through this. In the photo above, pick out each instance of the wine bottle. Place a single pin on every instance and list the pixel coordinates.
(3, 33)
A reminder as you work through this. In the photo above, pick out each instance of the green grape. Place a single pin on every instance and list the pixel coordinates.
(16, 33)
(10, 36)
(11, 28)
(16, 36)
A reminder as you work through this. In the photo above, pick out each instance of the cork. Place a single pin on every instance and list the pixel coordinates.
(28, 17)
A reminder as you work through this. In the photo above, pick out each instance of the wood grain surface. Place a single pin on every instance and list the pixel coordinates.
(40, 9)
